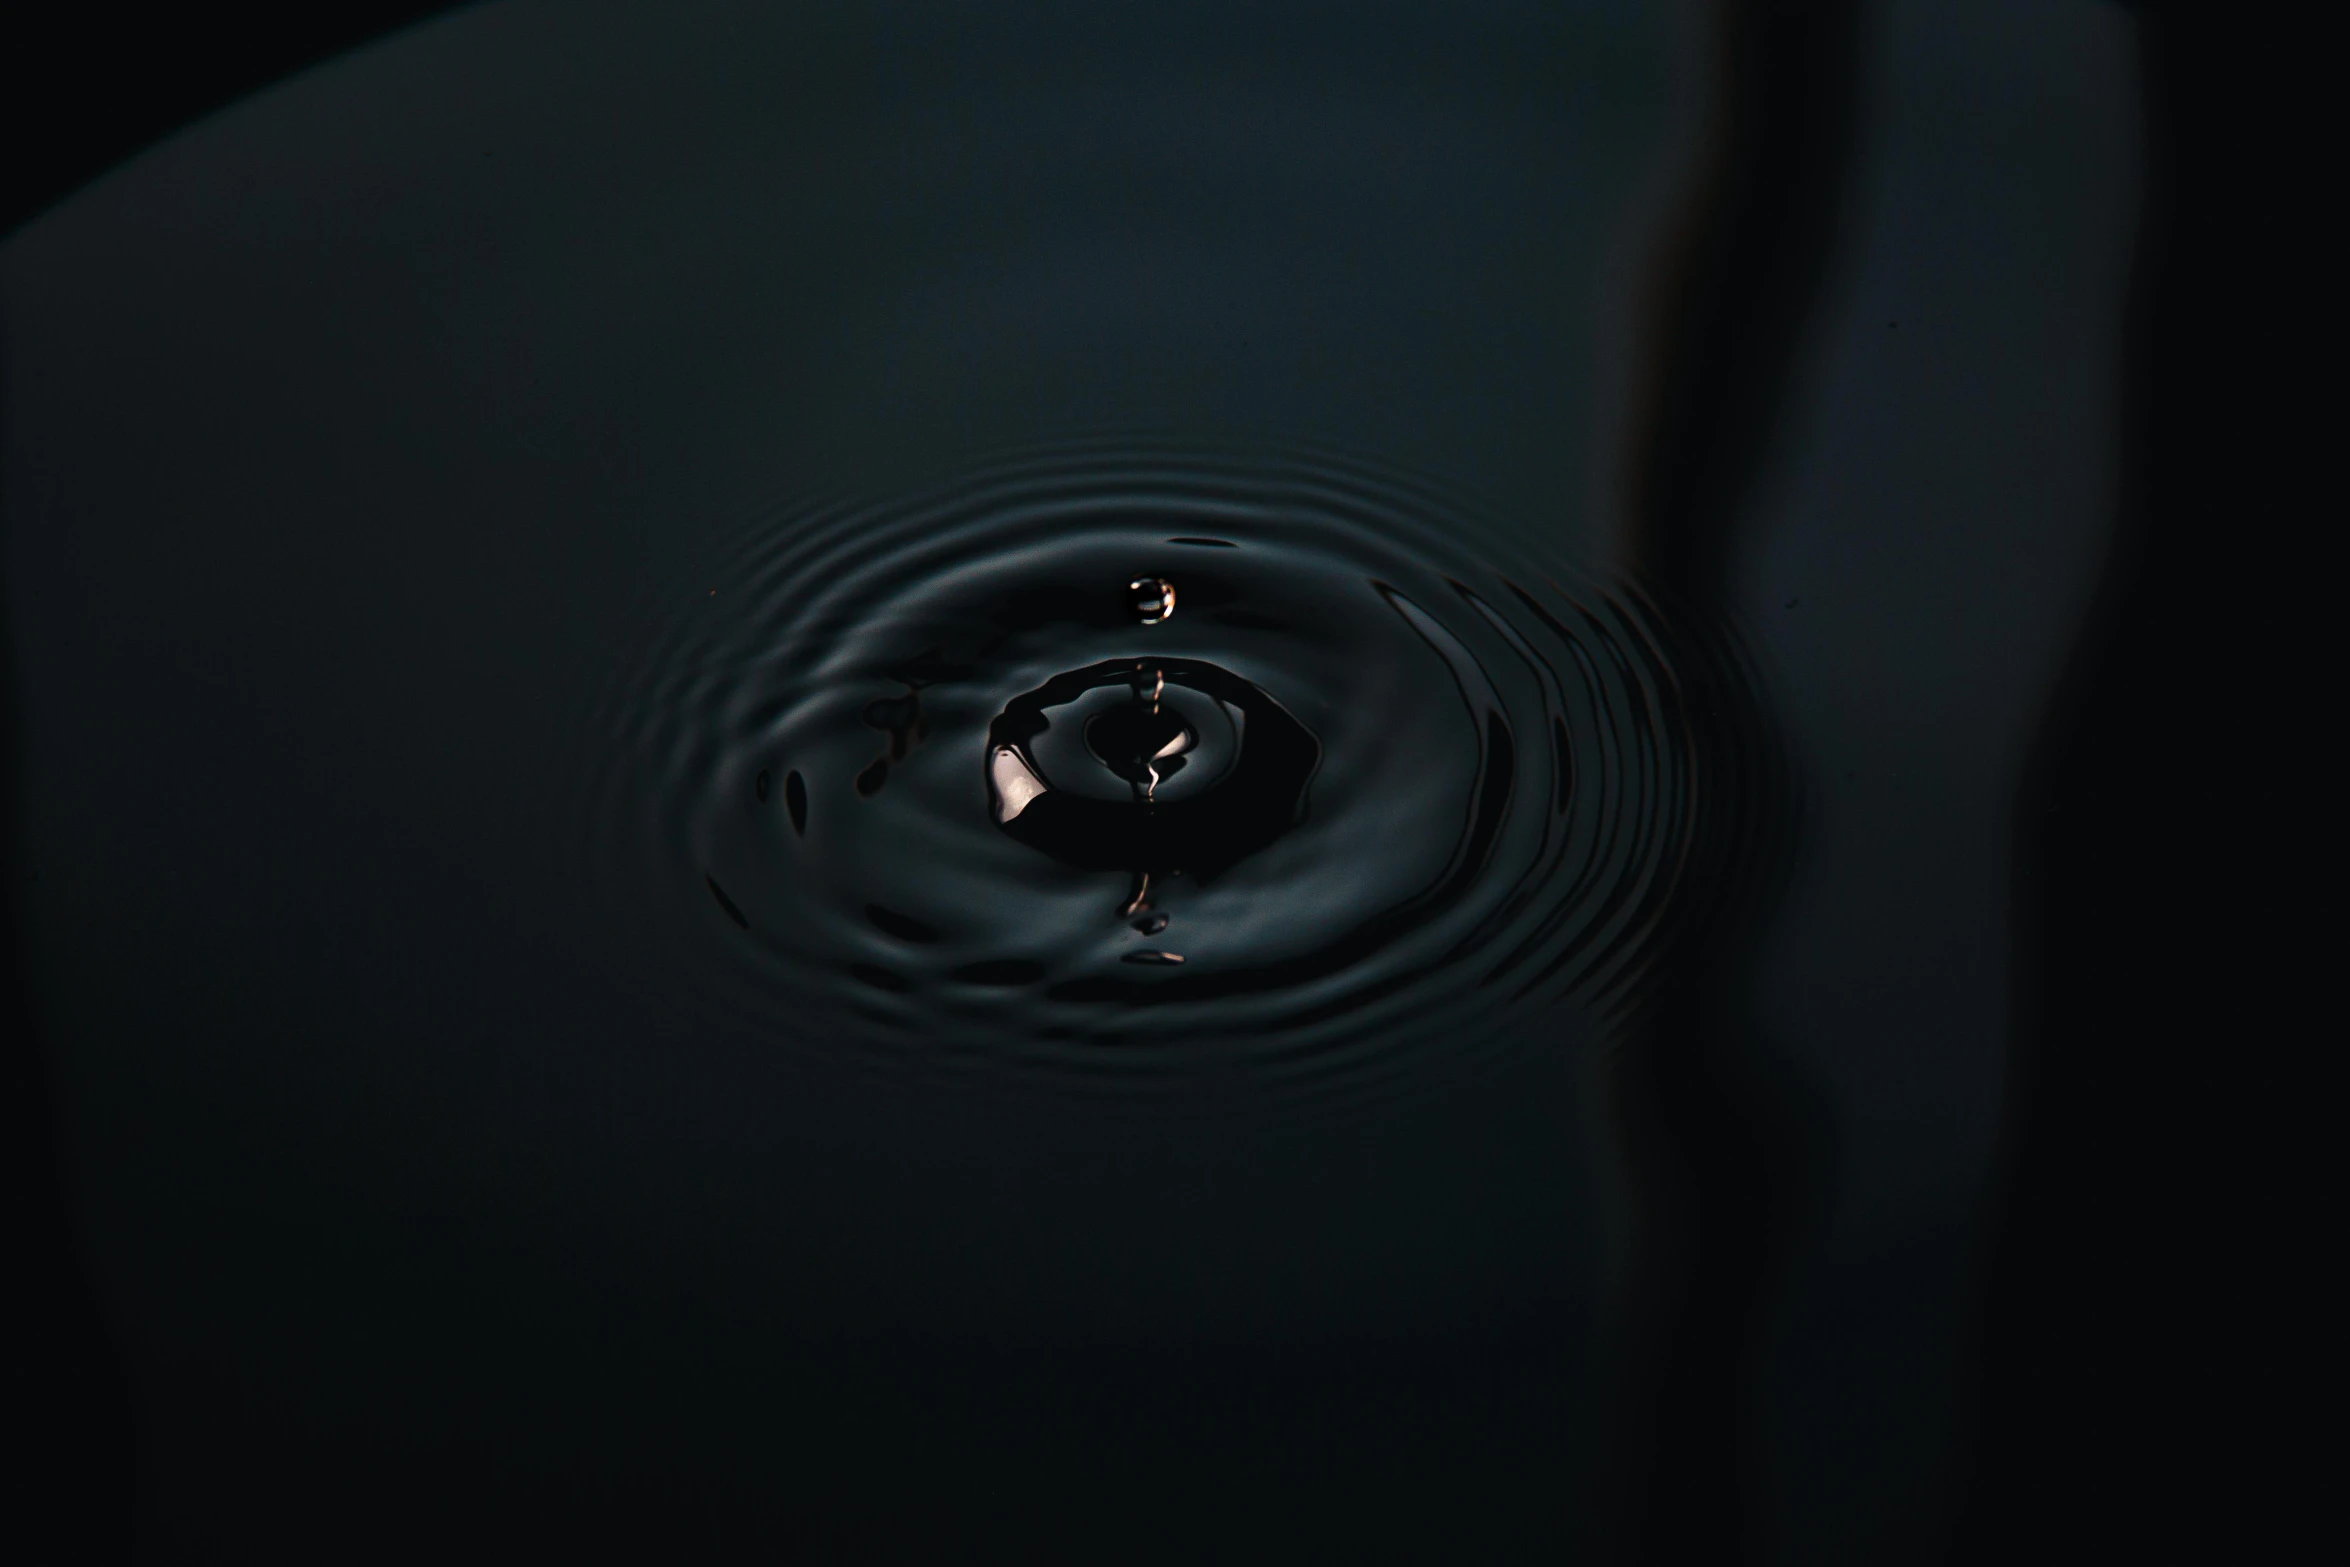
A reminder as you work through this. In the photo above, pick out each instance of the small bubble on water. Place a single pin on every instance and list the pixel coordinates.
(1151, 924)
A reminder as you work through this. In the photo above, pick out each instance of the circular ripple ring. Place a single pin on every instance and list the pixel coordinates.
(1364, 784)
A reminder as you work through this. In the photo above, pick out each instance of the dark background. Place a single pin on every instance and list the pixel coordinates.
(2149, 1261)
(81, 89)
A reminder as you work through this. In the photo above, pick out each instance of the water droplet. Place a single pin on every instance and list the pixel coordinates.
(1150, 924)
(1152, 598)
(1155, 959)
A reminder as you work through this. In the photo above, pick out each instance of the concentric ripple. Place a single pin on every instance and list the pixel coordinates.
(1136, 764)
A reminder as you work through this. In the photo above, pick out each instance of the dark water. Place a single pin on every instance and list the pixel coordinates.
(1275, 732)
(890, 780)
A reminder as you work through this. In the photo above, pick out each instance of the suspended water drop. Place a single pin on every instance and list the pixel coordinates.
(1153, 598)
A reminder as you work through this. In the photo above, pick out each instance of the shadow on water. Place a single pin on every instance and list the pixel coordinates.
(1721, 1150)
(70, 1485)
(2143, 1269)
(80, 93)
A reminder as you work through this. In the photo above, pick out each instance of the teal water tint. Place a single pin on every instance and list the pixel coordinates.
(1398, 778)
